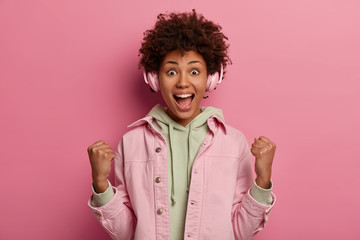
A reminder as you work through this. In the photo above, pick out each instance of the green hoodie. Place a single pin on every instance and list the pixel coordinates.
(183, 144)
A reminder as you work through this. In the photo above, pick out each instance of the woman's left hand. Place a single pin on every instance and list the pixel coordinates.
(263, 150)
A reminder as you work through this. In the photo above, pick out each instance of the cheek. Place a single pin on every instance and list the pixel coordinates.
(165, 92)
(201, 87)
(163, 86)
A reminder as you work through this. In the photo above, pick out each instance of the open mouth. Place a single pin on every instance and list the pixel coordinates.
(184, 100)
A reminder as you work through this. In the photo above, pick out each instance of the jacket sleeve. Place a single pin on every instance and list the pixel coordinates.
(117, 216)
(248, 215)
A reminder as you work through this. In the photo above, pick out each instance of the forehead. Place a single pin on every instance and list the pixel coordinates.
(188, 56)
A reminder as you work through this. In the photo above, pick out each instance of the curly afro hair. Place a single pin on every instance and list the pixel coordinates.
(184, 32)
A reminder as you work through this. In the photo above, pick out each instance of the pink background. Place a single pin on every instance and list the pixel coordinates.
(69, 77)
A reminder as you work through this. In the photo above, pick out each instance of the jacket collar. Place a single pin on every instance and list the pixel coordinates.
(147, 119)
(214, 122)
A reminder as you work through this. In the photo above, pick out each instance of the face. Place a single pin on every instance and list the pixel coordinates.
(182, 82)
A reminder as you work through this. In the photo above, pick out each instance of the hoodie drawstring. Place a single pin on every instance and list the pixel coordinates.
(171, 131)
(188, 160)
(171, 135)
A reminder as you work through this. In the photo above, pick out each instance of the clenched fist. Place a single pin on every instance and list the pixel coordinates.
(100, 155)
(263, 150)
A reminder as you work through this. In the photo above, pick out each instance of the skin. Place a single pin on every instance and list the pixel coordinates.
(181, 74)
(263, 150)
(100, 156)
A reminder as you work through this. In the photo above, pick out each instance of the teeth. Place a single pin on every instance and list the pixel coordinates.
(183, 95)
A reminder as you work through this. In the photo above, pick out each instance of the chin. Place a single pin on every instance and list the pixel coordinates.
(183, 117)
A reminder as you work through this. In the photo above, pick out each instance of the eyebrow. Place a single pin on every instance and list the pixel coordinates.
(191, 62)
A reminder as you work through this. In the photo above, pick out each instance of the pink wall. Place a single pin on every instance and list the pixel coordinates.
(69, 77)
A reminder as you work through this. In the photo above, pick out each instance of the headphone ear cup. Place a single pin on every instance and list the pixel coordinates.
(212, 82)
(152, 80)
(214, 79)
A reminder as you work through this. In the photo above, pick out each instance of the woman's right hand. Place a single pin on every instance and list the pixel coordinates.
(100, 155)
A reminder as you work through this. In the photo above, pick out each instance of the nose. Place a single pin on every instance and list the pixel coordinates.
(183, 81)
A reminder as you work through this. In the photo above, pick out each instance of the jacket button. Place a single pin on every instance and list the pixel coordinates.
(98, 214)
(159, 211)
(158, 180)
(158, 150)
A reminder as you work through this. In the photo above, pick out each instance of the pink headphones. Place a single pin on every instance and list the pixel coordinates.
(151, 78)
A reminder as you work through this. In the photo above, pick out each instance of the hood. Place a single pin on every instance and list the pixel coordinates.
(159, 113)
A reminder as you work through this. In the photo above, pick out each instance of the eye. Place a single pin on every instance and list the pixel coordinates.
(171, 72)
(194, 72)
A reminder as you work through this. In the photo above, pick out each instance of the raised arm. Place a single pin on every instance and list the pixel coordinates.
(116, 216)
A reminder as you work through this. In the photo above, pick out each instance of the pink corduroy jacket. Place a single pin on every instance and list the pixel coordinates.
(219, 202)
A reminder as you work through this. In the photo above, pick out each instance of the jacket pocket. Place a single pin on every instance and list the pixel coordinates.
(220, 181)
